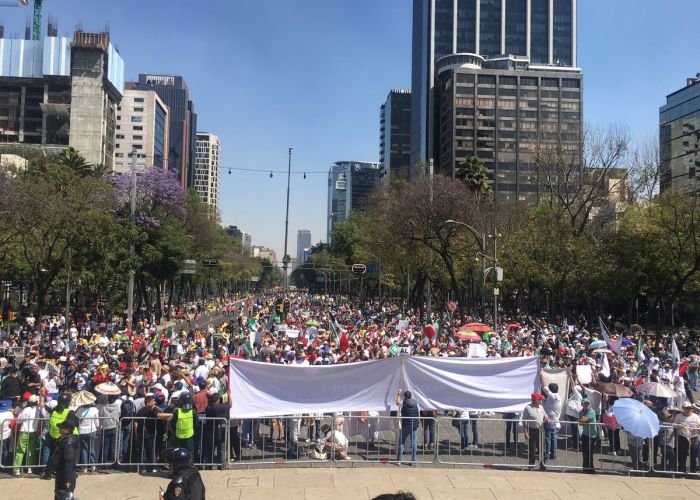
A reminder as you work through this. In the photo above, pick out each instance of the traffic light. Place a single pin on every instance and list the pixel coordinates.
(286, 306)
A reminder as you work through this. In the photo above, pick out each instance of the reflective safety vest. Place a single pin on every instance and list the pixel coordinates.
(56, 418)
(184, 426)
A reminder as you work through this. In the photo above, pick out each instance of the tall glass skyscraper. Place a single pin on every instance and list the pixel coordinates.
(541, 31)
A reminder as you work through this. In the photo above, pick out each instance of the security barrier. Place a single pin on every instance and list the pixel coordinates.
(357, 438)
(488, 442)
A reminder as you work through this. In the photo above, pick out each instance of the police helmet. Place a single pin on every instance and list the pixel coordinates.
(185, 399)
(64, 400)
(179, 457)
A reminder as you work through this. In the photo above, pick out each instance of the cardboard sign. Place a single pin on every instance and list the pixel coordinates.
(584, 374)
(477, 350)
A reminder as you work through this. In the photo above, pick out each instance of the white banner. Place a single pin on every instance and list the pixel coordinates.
(499, 385)
(263, 389)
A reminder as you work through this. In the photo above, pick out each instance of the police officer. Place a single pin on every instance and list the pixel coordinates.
(186, 483)
(183, 423)
(64, 459)
(60, 414)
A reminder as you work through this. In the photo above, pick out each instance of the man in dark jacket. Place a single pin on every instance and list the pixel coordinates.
(64, 459)
(409, 423)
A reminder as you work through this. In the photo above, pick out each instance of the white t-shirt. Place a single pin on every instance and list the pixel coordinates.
(89, 421)
(5, 419)
(28, 419)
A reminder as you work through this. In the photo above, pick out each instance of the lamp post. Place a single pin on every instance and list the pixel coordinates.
(481, 240)
(379, 292)
(495, 237)
(132, 272)
(286, 259)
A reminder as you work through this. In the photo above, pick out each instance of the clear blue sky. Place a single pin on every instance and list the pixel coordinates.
(312, 74)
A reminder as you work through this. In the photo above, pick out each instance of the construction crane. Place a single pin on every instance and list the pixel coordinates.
(36, 28)
(36, 24)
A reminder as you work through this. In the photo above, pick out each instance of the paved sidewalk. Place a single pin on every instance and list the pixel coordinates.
(363, 484)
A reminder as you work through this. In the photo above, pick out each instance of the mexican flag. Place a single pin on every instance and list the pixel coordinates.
(341, 339)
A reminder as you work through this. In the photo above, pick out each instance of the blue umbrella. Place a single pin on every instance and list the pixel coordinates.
(597, 344)
(636, 418)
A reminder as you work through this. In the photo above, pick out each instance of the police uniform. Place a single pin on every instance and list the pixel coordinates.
(186, 485)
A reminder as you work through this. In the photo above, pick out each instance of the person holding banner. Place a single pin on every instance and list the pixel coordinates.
(409, 424)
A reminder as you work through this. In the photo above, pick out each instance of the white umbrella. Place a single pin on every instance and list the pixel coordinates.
(658, 390)
(636, 418)
(108, 388)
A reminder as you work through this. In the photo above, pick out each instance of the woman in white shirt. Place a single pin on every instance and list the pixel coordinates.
(89, 424)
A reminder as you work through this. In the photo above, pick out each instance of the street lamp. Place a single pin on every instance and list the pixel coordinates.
(286, 259)
(481, 240)
(379, 292)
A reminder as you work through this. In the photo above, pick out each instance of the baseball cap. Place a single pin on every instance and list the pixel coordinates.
(686, 404)
(585, 401)
(537, 395)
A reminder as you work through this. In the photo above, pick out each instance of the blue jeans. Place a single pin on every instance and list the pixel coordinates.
(550, 441)
(87, 448)
(5, 451)
(464, 432)
(109, 445)
(125, 441)
(428, 431)
(693, 380)
(406, 431)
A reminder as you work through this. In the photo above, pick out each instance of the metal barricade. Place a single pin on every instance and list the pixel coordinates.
(276, 440)
(142, 441)
(27, 448)
(370, 437)
(603, 450)
(99, 441)
(488, 442)
(672, 453)
(212, 442)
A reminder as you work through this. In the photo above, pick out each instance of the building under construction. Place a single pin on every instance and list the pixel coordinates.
(58, 92)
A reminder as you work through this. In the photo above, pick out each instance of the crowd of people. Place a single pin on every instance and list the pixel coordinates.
(128, 394)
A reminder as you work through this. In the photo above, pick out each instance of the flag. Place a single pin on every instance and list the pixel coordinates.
(394, 350)
(614, 345)
(605, 367)
(344, 343)
(429, 332)
(336, 329)
(639, 357)
(676, 358)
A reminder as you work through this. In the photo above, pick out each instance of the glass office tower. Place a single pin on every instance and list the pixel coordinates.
(543, 31)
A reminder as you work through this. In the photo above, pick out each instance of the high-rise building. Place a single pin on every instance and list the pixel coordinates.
(142, 126)
(679, 139)
(541, 31)
(349, 185)
(395, 133)
(208, 170)
(183, 122)
(57, 92)
(97, 78)
(303, 243)
(503, 111)
(247, 243)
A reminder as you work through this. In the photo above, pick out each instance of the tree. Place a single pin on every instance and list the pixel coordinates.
(473, 173)
(72, 159)
(58, 207)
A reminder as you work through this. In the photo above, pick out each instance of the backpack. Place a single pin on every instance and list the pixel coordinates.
(128, 410)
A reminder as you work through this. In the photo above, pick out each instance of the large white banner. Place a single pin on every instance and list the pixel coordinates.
(263, 389)
(498, 385)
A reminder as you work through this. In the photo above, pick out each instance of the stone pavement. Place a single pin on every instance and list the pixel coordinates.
(364, 483)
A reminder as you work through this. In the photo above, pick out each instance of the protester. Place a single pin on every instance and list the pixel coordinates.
(589, 434)
(532, 419)
(410, 420)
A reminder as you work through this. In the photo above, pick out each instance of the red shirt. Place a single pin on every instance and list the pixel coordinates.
(200, 401)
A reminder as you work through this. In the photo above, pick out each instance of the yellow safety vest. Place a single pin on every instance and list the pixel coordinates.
(56, 418)
(184, 426)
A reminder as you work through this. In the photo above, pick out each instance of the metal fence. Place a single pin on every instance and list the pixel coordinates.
(359, 438)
